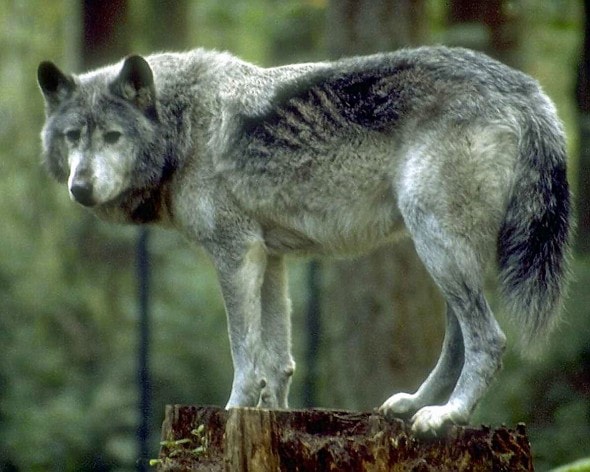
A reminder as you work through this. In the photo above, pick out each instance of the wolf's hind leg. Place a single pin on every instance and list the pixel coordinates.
(439, 384)
(456, 268)
(484, 344)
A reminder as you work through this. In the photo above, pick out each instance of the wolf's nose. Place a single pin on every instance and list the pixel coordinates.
(82, 193)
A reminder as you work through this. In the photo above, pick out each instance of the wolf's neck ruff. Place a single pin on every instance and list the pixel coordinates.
(151, 205)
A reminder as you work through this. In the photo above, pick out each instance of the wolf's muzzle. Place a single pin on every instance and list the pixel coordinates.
(83, 193)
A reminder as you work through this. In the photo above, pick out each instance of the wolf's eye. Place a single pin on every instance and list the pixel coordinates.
(111, 137)
(73, 135)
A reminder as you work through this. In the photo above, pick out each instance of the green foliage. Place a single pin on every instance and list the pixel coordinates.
(194, 446)
(582, 465)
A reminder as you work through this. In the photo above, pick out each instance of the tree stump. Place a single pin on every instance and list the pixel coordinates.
(257, 440)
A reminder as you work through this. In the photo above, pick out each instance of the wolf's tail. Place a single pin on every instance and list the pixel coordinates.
(533, 243)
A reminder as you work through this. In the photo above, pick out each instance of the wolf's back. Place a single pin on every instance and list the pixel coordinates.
(533, 243)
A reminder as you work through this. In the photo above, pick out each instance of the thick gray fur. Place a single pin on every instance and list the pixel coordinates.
(332, 158)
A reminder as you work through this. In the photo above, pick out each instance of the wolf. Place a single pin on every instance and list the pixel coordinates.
(463, 153)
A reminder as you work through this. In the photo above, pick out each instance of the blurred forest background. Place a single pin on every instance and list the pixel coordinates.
(362, 329)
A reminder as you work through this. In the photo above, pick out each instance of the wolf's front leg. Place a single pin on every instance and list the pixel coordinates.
(241, 268)
(255, 296)
(276, 335)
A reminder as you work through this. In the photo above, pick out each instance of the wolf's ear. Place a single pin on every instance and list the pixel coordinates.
(55, 85)
(136, 83)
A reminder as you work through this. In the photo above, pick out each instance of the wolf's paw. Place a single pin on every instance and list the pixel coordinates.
(274, 388)
(401, 405)
(244, 393)
(431, 419)
(268, 397)
(241, 400)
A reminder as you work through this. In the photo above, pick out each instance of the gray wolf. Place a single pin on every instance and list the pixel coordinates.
(330, 158)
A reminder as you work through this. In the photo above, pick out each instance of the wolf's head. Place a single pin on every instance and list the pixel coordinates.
(100, 133)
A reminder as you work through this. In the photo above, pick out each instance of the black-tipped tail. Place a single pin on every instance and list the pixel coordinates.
(534, 238)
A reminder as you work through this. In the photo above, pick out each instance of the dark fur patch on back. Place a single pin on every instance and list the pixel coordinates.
(322, 104)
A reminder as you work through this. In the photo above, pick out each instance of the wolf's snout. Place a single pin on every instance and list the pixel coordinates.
(83, 193)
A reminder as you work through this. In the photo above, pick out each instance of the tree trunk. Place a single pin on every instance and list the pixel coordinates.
(105, 32)
(211, 439)
(382, 317)
(583, 102)
(491, 26)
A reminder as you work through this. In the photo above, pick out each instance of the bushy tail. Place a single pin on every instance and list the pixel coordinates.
(533, 243)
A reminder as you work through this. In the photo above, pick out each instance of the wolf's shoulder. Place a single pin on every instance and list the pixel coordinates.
(174, 67)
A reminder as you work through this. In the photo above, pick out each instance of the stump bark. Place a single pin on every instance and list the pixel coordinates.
(248, 439)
